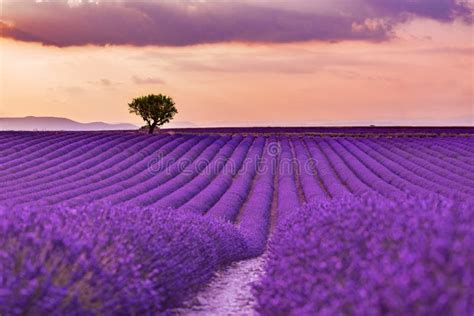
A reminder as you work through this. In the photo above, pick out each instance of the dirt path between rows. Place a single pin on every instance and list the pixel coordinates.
(229, 293)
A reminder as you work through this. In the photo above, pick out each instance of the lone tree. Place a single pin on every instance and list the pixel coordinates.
(155, 110)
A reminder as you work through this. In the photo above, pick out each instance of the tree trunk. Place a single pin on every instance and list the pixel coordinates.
(152, 128)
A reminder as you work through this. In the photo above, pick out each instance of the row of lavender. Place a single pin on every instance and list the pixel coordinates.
(186, 171)
(217, 175)
(400, 250)
(102, 260)
(372, 255)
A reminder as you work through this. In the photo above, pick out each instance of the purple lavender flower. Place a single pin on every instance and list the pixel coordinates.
(98, 259)
(372, 255)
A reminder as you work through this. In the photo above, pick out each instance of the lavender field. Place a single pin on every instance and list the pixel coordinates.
(126, 223)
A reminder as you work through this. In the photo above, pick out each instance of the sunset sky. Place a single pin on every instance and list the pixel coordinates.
(241, 62)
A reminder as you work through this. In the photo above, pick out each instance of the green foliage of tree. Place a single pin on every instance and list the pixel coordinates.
(155, 110)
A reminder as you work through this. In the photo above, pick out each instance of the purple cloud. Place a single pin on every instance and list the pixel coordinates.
(188, 23)
(441, 10)
(9, 31)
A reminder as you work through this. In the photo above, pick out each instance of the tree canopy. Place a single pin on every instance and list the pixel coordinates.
(155, 110)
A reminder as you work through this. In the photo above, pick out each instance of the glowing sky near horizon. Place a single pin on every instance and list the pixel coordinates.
(246, 62)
